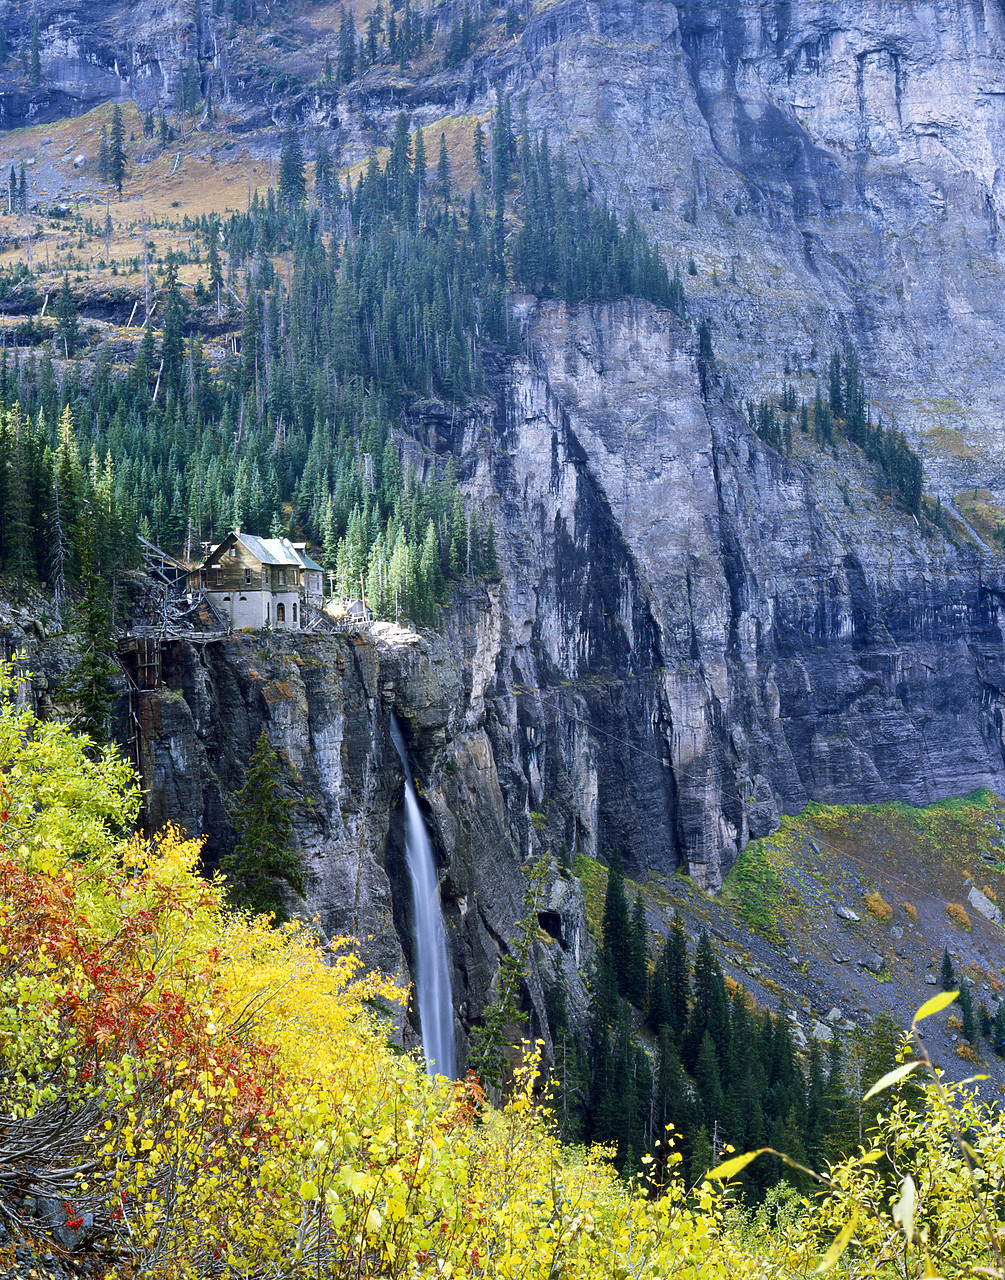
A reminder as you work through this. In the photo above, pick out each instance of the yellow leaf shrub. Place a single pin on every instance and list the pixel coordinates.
(877, 906)
(958, 914)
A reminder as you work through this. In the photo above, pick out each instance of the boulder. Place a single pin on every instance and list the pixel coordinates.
(982, 903)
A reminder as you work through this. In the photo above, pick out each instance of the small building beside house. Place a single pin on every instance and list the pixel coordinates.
(349, 610)
(260, 582)
(313, 576)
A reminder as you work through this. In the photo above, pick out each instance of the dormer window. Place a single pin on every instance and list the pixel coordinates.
(233, 552)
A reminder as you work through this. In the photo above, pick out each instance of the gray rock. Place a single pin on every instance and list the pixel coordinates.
(896, 931)
(79, 161)
(872, 961)
(931, 979)
(845, 913)
(840, 959)
(821, 1031)
(982, 903)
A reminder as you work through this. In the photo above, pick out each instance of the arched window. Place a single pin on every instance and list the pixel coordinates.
(280, 613)
(294, 611)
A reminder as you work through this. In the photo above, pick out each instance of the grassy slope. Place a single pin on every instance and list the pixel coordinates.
(899, 869)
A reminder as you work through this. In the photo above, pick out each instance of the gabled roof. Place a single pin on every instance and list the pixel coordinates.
(270, 550)
(306, 560)
(280, 551)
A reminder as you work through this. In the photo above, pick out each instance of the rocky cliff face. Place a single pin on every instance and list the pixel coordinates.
(692, 633)
(698, 633)
(834, 168)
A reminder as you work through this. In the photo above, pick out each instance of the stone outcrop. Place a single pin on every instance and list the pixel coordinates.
(692, 634)
(697, 633)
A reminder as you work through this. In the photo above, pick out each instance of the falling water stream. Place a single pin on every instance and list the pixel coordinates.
(432, 972)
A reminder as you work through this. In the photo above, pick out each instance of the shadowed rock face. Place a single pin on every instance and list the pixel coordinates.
(692, 634)
(697, 633)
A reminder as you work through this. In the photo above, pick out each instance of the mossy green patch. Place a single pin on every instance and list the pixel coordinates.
(754, 886)
(592, 875)
(956, 831)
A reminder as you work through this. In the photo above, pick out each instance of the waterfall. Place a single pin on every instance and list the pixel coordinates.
(432, 972)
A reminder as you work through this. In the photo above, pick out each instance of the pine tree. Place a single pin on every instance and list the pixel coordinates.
(346, 48)
(66, 318)
(616, 926)
(948, 974)
(89, 678)
(443, 171)
(117, 151)
(419, 162)
(292, 179)
(678, 980)
(639, 955)
(262, 856)
(969, 1022)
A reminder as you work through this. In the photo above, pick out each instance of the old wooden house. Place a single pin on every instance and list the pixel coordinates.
(259, 582)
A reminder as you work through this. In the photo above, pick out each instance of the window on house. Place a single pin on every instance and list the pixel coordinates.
(294, 611)
(282, 577)
(219, 577)
(233, 552)
(268, 610)
(247, 575)
(280, 613)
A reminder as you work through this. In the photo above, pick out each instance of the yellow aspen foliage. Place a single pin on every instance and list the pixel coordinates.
(215, 1097)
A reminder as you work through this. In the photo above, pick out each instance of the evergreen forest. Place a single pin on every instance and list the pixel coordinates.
(358, 307)
(394, 291)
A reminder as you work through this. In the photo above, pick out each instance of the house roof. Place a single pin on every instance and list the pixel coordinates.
(270, 550)
(307, 562)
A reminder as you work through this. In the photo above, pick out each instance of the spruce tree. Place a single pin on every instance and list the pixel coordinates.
(678, 980)
(616, 925)
(638, 966)
(969, 1022)
(443, 171)
(346, 48)
(89, 679)
(117, 150)
(292, 179)
(948, 973)
(66, 318)
(262, 856)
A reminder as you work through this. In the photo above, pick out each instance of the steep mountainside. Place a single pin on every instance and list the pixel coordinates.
(692, 633)
(837, 166)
